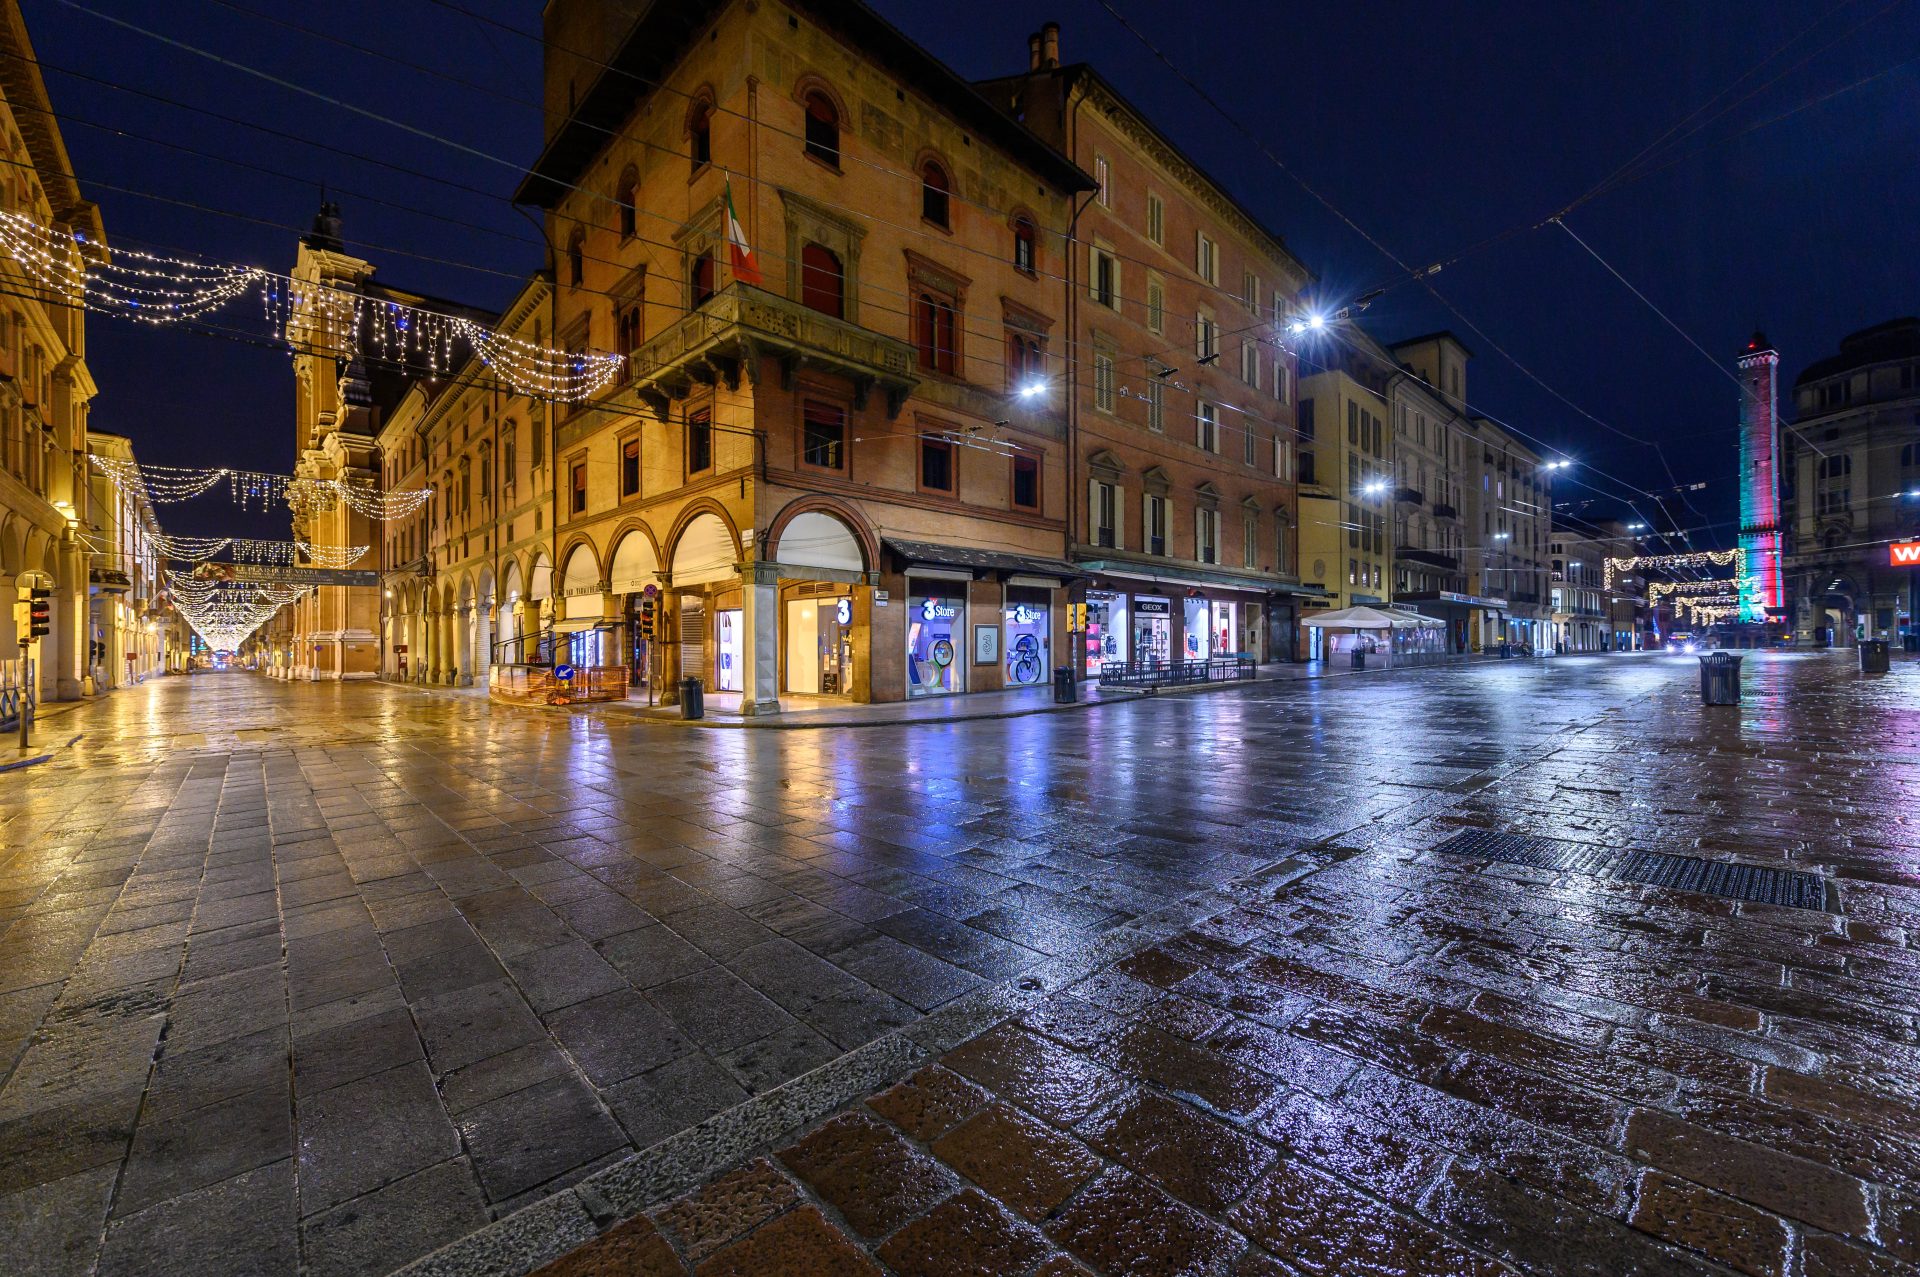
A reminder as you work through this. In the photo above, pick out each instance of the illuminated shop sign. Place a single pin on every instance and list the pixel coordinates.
(934, 609)
(1024, 615)
(1904, 554)
(843, 611)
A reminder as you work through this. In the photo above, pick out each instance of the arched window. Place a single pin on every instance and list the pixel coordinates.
(1023, 244)
(700, 135)
(700, 284)
(576, 257)
(625, 196)
(823, 282)
(823, 129)
(935, 194)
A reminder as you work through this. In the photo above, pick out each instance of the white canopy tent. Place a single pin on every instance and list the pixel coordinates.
(1369, 618)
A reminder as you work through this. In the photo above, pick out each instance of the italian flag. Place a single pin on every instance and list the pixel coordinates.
(745, 268)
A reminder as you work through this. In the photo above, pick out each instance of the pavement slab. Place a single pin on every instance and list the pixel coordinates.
(347, 978)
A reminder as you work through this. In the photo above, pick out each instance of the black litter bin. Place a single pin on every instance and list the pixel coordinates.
(1064, 691)
(693, 699)
(1720, 678)
(1506, 649)
(1873, 656)
(1359, 658)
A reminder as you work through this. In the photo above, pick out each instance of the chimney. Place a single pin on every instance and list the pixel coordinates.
(1050, 45)
(1033, 52)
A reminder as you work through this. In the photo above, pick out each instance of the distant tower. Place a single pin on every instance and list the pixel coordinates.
(1759, 479)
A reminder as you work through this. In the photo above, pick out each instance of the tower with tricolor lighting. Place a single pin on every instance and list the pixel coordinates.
(1759, 584)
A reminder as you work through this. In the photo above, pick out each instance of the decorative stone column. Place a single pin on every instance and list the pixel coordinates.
(760, 618)
(69, 623)
(666, 632)
(462, 622)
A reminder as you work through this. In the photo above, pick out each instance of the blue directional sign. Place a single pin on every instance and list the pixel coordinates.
(564, 673)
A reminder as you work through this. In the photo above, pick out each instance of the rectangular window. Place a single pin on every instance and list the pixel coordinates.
(936, 465)
(938, 332)
(1305, 419)
(1106, 500)
(1206, 258)
(1250, 291)
(578, 487)
(630, 469)
(1249, 538)
(1156, 530)
(823, 436)
(1282, 380)
(1208, 436)
(699, 441)
(1026, 481)
(1156, 398)
(1306, 467)
(1103, 381)
(1353, 424)
(1106, 279)
(1103, 175)
(1282, 459)
(1250, 363)
(1206, 526)
(1206, 336)
(1249, 443)
(1156, 219)
(1156, 306)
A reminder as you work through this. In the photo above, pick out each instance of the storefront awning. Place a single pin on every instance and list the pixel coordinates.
(928, 554)
(1181, 577)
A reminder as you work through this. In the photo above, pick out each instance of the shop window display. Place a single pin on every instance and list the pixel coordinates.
(1026, 640)
(935, 625)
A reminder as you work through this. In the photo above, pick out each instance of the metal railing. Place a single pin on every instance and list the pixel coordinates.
(15, 690)
(1215, 669)
(538, 685)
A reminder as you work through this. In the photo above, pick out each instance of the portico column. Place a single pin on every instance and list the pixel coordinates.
(666, 632)
(463, 645)
(69, 624)
(9, 622)
(760, 618)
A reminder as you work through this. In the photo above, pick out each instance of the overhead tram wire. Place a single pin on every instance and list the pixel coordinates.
(772, 254)
(400, 124)
(596, 196)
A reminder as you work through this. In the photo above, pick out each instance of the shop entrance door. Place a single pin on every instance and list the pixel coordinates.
(1106, 629)
(1226, 640)
(727, 675)
(935, 623)
(1152, 631)
(820, 646)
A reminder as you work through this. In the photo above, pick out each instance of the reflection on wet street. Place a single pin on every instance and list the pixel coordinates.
(333, 976)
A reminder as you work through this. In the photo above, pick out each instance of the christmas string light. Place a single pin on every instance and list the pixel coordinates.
(160, 289)
(1668, 562)
(1656, 590)
(253, 489)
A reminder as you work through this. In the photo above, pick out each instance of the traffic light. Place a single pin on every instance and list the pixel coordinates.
(646, 618)
(39, 612)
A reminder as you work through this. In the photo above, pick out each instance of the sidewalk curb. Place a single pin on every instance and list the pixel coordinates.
(21, 763)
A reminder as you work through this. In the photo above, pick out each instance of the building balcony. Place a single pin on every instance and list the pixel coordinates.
(740, 326)
(1431, 558)
(1412, 496)
(1444, 511)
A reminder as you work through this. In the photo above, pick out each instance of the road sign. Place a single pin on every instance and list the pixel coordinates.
(564, 673)
(652, 591)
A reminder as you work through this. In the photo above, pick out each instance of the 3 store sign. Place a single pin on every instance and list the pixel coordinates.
(843, 611)
(934, 609)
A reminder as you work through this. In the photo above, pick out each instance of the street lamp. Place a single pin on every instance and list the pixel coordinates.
(1373, 487)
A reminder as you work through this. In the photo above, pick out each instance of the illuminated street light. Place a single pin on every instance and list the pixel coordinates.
(1373, 487)
(1032, 388)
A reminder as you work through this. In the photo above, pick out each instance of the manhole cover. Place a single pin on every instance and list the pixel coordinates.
(1729, 880)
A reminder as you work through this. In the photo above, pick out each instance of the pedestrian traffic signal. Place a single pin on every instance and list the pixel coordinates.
(39, 612)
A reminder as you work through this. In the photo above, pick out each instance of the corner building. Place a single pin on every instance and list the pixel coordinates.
(1182, 482)
(820, 459)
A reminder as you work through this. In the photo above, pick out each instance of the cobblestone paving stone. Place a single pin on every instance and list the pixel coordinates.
(342, 974)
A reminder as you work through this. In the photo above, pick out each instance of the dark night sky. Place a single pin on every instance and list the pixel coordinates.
(1431, 126)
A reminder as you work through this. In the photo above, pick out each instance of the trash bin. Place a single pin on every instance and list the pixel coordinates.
(1506, 649)
(693, 699)
(1873, 656)
(1359, 658)
(1064, 690)
(1720, 678)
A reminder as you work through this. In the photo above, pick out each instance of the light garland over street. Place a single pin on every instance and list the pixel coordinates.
(158, 289)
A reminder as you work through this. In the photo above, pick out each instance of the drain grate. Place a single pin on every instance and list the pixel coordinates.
(1728, 880)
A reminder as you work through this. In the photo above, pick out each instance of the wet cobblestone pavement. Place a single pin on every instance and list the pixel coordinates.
(324, 979)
